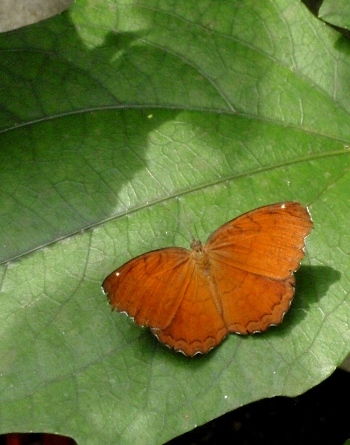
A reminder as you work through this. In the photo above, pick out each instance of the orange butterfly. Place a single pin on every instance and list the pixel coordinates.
(240, 281)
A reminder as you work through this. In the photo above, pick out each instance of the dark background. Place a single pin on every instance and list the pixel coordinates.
(319, 416)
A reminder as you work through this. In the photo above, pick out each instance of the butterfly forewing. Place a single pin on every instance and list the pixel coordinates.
(149, 287)
(268, 241)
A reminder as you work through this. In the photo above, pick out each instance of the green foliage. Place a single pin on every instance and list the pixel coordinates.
(336, 12)
(127, 126)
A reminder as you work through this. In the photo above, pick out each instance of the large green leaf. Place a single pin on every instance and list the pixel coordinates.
(128, 126)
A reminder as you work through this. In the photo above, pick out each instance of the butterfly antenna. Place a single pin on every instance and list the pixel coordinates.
(190, 238)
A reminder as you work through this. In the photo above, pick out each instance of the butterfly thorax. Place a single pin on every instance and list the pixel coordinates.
(200, 256)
